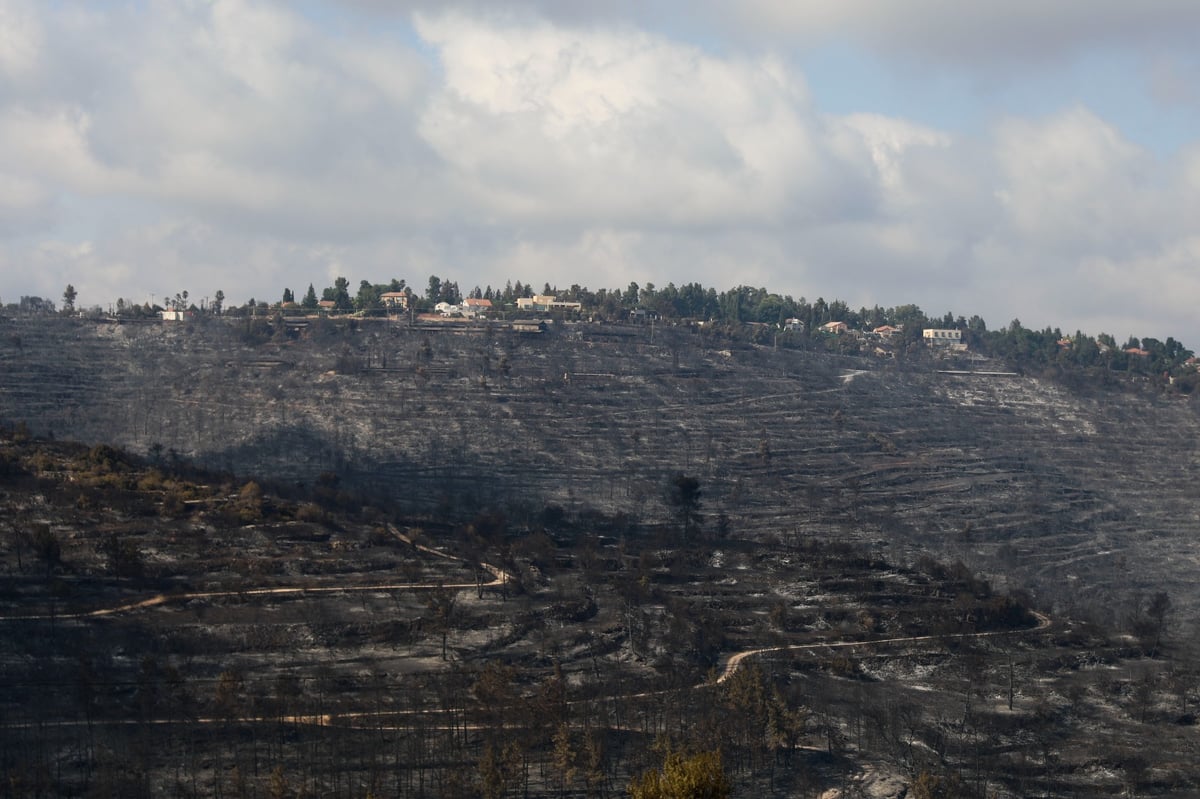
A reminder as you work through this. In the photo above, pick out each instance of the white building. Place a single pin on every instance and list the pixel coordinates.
(546, 302)
(949, 339)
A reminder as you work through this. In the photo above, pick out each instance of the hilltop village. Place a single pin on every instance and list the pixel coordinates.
(749, 314)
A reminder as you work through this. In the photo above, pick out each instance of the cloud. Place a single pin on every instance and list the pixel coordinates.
(25, 206)
(21, 38)
(231, 111)
(1073, 183)
(147, 262)
(1013, 33)
(1092, 231)
(1018, 34)
(545, 124)
(247, 146)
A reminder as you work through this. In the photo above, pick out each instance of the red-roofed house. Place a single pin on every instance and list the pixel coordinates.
(395, 299)
(476, 307)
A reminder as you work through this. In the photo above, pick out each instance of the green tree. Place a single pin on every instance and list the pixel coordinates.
(341, 294)
(434, 292)
(218, 302)
(450, 292)
(69, 299)
(288, 296)
(310, 298)
(631, 295)
(368, 295)
(700, 776)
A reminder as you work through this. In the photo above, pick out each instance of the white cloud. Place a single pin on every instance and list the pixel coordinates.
(25, 205)
(894, 145)
(1019, 34)
(1072, 183)
(21, 38)
(234, 111)
(52, 147)
(553, 124)
(238, 144)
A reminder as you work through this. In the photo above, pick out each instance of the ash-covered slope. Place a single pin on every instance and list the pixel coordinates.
(1084, 496)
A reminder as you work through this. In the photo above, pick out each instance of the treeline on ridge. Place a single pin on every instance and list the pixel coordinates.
(744, 313)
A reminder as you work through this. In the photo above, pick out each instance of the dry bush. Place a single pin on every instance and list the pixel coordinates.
(310, 512)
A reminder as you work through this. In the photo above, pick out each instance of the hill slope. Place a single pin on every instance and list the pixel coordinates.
(1086, 496)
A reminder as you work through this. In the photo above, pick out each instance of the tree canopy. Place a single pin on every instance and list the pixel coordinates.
(700, 776)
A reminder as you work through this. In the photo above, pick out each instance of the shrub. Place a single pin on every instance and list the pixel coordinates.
(250, 503)
(173, 506)
(310, 512)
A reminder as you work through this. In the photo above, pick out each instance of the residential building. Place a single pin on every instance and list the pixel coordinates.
(948, 339)
(396, 300)
(546, 302)
(476, 307)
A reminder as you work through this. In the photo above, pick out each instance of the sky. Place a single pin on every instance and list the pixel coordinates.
(1021, 160)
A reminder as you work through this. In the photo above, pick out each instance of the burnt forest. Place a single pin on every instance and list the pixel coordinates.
(384, 557)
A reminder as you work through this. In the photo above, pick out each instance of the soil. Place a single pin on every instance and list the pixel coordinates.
(1084, 496)
(399, 463)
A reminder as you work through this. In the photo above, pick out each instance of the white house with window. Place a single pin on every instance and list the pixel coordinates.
(948, 339)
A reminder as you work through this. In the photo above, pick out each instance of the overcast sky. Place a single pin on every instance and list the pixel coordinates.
(1028, 159)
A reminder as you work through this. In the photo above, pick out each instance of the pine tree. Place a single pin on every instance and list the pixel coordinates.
(698, 777)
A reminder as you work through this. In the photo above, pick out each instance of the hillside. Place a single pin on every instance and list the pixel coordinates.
(166, 631)
(1084, 496)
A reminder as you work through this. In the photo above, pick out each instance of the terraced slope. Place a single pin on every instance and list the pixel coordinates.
(1085, 497)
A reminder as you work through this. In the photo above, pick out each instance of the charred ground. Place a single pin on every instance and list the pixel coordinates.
(825, 485)
(169, 631)
(1083, 494)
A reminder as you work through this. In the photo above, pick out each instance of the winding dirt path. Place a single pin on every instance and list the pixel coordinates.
(735, 661)
(499, 577)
